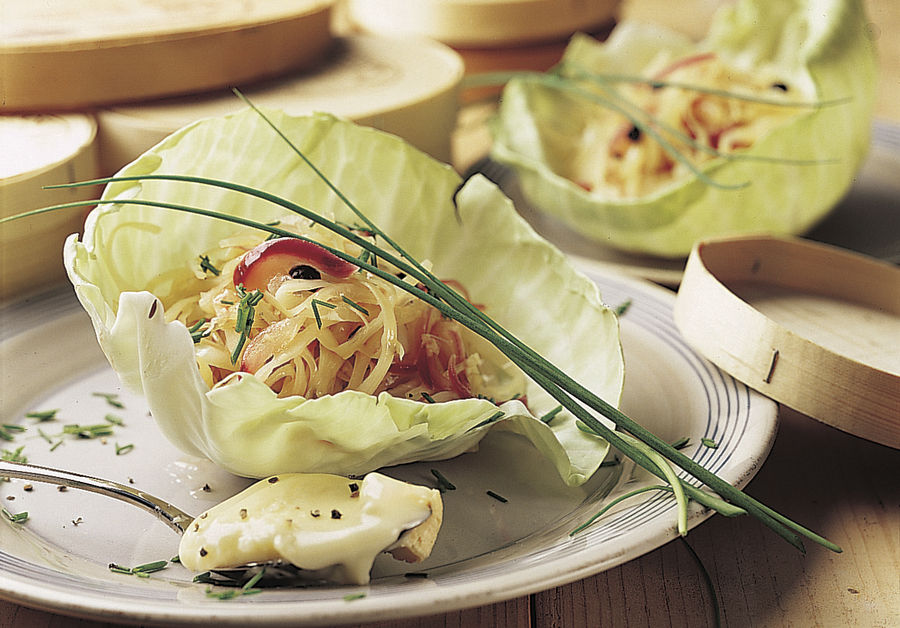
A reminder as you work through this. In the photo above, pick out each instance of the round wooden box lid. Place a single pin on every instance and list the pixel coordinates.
(811, 326)
(408, 87)
(38, 151)
(74, 54)
(481, 23)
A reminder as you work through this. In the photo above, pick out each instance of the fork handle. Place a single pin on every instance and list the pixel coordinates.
(172, 516)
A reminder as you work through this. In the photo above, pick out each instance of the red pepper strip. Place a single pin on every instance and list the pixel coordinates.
(277, 257)
(680, 63)
(459, 383)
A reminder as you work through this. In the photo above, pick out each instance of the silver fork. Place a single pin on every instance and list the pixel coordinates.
(275, 573)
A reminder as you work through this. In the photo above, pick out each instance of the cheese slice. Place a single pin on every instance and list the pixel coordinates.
(329, 525)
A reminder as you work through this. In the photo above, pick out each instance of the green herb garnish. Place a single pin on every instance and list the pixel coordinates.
(549, 416)
(19, 517)
(111, 398)
(196, 331)
(208, 267)
(622, 307)
(121, 450)
(354, 304)
(316, 303)
(43, 415)
(443, 483)
(497, 496)
(14, 455)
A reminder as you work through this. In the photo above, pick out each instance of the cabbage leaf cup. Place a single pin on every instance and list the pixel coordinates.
(470, 234)
(788, 180)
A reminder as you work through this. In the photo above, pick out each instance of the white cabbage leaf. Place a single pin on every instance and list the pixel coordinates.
(820, 48)
(526, 284)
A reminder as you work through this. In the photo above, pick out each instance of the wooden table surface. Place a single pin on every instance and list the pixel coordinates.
(841, 486)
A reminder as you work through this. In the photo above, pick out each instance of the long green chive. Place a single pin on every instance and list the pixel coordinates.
(611, 504)
(569, 393)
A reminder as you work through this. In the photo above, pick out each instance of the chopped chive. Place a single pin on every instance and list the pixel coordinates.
(5, 435)
(428, 398)
(443, 483)
(681, 443)
(499, 498)
(57, 444)
(622, 307)
(354, 596)
(197, 332)
(112, 418)
(315, 308)
(14, 455)
(43, 435)
(175, 559)
(88, 431)
(14, 428)
(549, 416)
(708, 442)
(207, 266)
(254, 580)
(221, 595)
(111, 398)
(354, 305)
(123, 449)
(609, 463)
(113, 567)
(43, 415)
(151, 567)
(19, 517)
(499, 414)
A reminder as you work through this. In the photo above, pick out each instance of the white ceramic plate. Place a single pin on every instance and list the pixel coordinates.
(487, 550)
(867, 220)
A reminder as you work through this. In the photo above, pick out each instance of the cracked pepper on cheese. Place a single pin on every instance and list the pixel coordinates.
(326, 524)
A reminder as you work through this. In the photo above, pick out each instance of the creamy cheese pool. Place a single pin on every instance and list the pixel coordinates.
(323, 523)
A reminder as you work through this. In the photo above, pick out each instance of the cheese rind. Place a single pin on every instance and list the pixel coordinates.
(322, 523)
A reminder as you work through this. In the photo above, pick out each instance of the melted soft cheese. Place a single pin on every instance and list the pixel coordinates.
(318, 522)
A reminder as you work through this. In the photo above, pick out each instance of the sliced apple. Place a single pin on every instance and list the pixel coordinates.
(288, 257)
